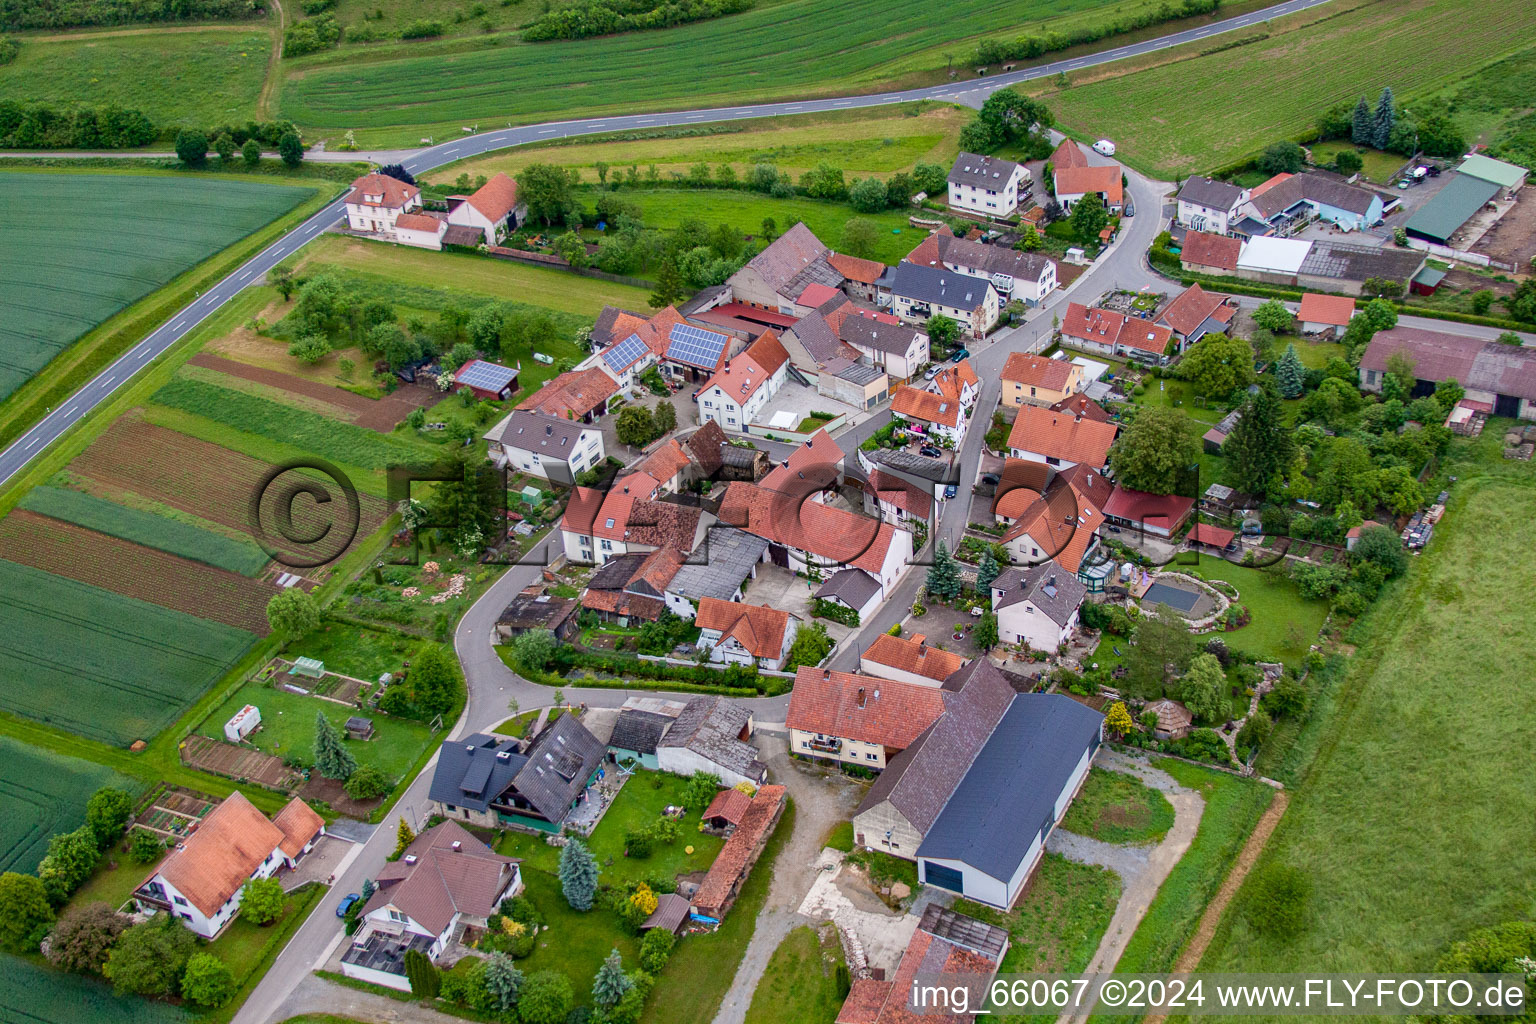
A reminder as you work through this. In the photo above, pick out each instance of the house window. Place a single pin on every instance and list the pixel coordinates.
(396, 916)
(607, 545)
(178, 901)
(873, 757)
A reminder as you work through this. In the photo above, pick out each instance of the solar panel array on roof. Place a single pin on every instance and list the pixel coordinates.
(695, 346)
(486, 376)
(621, 356)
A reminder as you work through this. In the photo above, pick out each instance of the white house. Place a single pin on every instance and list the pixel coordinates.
(202, 880)
(493, 209)
(1206, 204)
(919, 292)
(745, 634)
(445, 878)
(540, 445)
(600, 525)
(421, 230)
(1025, 276)
(734, 396)
(987, 185)
(1037, 605)
(857, 719)
(377, 201)
(885, 342)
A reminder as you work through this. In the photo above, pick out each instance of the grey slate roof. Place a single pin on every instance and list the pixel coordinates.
(711, 727)
(938, 286)
(474, 770)
(1016, 778)
(639, 731)
(982, 171)
(1346, 261)
(1210, 193)
(853, 587)
(602, 329)
(818, 338)
(536, 612)
(617, 572)
(1316, 188)
(911, 464)
(537, 432)
(729, 556)
(870, 333)
(1047, 586)
(918, 781)
(991, 259)
(818, 271)
(787, 255)
(558, 764)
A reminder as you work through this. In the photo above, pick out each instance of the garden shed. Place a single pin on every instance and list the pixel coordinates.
(359, 728)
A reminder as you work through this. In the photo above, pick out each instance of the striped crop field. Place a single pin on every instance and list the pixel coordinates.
(78, 248)
(1187, 113)
(780, 48)
(43, 794)
(103, 665)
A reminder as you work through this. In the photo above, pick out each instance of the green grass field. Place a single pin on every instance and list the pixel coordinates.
(1423, 770)
(80, 247)
(352, 650)
(1283, 625)
(1178, 115)
(104, 666)
(203, 78)
(41, 795)
(780, 48)
(147, 528)
(40, 995)
(1118, 808)
(288, 728)
(576, 942)
(800, 982)
(1375, 165)
(667, 208)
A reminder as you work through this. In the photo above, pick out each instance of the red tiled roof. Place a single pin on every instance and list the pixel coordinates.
(1082, 405)
(420, 222)
(1334, 310)
(572, 394)
(665, 462)
(1060, 436)
(496, 198)
(855, 269)
(912, 500)
(395, 192)
(581, 511)
(1207, 250)
(1193, 307)
(299, 823)
(1215, 536)
(757, 627)
(1106, 327)
(819, 451)
(913, 655)
(617, 602)
(816, 293)
(831, 533)
(862, 708)
(731, 864)
(1062, 523)
(866, 998)
(743, 375)
(1103, 178)
(1260, 189)
(1068, 154)
(1145, 507)
(1038, 371)
(918, 404)
(729, 804)
(217, 859)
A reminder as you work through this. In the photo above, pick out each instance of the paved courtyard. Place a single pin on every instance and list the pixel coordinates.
(778, 587)
(319, 864)
(794, 402)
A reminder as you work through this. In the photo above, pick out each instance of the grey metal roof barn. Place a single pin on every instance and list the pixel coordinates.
(725, 560)
(560, 760)
(1346, 261)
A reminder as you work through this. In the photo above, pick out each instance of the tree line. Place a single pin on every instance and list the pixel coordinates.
(578, 19)
(993, 51)
(1392, 128)
(20, 14)
(39, 126)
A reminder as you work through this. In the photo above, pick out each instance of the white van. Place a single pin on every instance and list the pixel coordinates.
(1105, 147)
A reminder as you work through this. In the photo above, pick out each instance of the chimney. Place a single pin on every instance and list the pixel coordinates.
(410, 858)
(861, 697)
(919, 638)
(457, 846)
(826, 675)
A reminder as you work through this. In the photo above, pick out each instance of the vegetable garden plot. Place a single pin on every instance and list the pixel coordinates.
(43, 794)
(99, 664)
(378, 414)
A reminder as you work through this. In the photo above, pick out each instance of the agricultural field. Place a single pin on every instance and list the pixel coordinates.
(80, 247)
(1422, 771)
(876, 140)
(779, 49)
(103, 665)
(209, 76)
(1173, 113)
(41, 795)
(41, 995)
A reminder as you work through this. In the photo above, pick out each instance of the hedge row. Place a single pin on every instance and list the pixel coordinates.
(993, 51)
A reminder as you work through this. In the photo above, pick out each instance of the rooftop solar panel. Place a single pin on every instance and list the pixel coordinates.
(695, 346)
(489, 376)
(622, 355)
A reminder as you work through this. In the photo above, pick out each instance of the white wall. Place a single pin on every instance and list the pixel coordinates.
(683, 761)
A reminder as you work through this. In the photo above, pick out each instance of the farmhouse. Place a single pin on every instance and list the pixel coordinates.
(1060, 440)
(1196, 313)
(1026, 276)
(944, 943)
(1103, 180)
(909, 660)
(1287, 201)
(1205, 253)
(1206, 204)
(1035, 380)
(987, 185)
(1108, 333)
(1325, 315)
(919, 292)
(710, 734)
(489, 381)
(777, 278)
(1502, 376)
(856, 719)
(719, 570)
(575, 395)
(493, 209)
(745, 634)
(682, 350)
(734, 396)
(554, 448)
(628, 517)
(446, 879)
(608, 593)
(1037, 605)
(528, 783)
(859, 275)
(734, 862)
(377, 201)
(202, 880)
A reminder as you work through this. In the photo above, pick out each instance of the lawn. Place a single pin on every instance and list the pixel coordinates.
(1172, 113)
(577, 941)
(638, 804)
(80, 247)
(1314, 354)
(288, 728)
(1058, 923)
(775, 50)
(800, 982)
(204, 78)
(1376, 165)
(702, 967)
(40, 995)
(1284, 625)
(352, 650)
(667, 208)
(1118, 808)
(873, 140)
(102, 665)
(520, 724)
(111, 884)
(1232, 807)
(43, 794)
(1423, 770)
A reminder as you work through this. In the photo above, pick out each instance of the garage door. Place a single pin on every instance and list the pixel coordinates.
(943, 877)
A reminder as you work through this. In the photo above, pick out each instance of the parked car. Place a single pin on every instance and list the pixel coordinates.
(346, 903)
(963, 354)
(930, 451)
(991, 478)
(1104, 147)
(949, 492)
(1130, 208)
(696, 393)
(933, 371)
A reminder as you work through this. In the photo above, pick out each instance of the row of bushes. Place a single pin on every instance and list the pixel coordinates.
(583, 18)
(736, 681)
(37, 126)
(19, 14)
(992, 51)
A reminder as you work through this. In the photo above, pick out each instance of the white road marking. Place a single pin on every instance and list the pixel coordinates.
(247, 274)
(547, 131)
(33, 441)
(210, 300)
(179, 325)
(144, 355)
(70, 411)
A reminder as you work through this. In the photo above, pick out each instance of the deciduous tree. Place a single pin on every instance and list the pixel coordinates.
(293, 612)
(191, 147)
(24, 911)
(1156, 450)
(1219, 366)
(546, 998)
(207, 980)
(291, 149)
(107, 812)
(1089, 218)
(150, 958)
(1204, 689)
(83, 937)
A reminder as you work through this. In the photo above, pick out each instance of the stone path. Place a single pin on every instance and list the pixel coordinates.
(1141, 884)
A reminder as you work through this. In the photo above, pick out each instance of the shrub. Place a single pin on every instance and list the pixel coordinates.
(263, 900)
(207, 980)
(367, 782)
(83, 938)
(422, 28)
(656, 949)
(1277, 900)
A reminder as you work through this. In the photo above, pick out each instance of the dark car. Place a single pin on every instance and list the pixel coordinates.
(991, 478)
(932, 452)
(696, 393)
(346, 903)
(964, 353)
(1130, 208)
